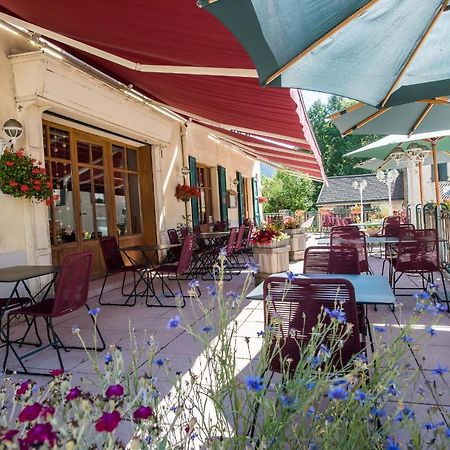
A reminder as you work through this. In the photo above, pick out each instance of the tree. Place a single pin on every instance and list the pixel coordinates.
(286, 191)
(331, 144)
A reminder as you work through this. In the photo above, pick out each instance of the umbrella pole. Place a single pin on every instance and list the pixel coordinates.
(436, 172)
(420, 182)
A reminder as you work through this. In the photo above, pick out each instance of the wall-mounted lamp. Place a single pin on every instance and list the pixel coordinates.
(13, 130)
(185, 171)
(235, 181)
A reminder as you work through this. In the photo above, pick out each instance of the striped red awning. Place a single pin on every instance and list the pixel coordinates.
(174, 36)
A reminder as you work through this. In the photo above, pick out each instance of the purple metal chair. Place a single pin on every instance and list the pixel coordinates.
(355, 239)
(173, 254)
(182, 267)
(298, 308)
(71, 293)
(115, 264)
(418, 254)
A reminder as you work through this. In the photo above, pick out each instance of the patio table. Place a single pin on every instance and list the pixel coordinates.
(19, 275)
(148, 272)
(209, 245)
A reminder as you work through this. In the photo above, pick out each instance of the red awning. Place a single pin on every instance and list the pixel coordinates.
(178, 33)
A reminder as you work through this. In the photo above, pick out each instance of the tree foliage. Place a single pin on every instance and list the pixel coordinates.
(331, 144)
(286, 191)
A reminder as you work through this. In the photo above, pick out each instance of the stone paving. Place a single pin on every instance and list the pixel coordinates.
(115, 321)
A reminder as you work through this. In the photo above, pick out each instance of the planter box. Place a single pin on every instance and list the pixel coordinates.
(293, 231)
(272, 244)
(297, 242)
(271, 259)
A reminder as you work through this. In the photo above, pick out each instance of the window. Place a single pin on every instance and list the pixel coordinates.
(205, 201)
(97, 182)
(442, 172)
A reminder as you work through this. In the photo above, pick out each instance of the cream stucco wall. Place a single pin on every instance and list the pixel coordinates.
(34, 83)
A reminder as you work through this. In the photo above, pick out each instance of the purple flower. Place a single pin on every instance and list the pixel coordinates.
(30, 412)
(24, 387)
(254, 383)
(287, 401)
(212, 290)
(392, 390)
(391, 444)
(158, 362)
(431, 331)
(73, 394)
(193, 284)
(377, 412)
(431, 426)
(253, 267)
(94, 312)
(232, 295)
(56, 373)
(39, 434)
(407, 339)
(380, 329)
(439, 370)
(310, 385)
(8, 435)
(363, 358)
(108, 421)
(336, 314)
(310, 411)
(290, 276)
(337, 393)
(174, 323)
(360, 396)
(108, 358)
(261, 333)
(207, 329)
(142, 413)
(115, 390)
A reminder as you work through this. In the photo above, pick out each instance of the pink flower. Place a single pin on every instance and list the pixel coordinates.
(9, 163)
(47, 411)
(56, 372)
(24, 188)
(20, 153)
(13, 183)
(24, 387)
(30, 412)
(73, 394)
(142, 413)
(9, 435)
(40, 434)
(115, 390)
(108, 421)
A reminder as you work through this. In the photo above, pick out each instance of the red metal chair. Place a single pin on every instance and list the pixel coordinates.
(182, 267)
(390, 250)
(71, 293)
(355, 239)
(346, 228)
(332, 259)
(247, 248)
(297, 308)
(418, 254)
(114, 264)
(173, 254)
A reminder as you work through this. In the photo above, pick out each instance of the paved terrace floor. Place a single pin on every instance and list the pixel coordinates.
(429, 391)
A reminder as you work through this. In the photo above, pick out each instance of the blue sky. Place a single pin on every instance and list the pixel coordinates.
(310, 97)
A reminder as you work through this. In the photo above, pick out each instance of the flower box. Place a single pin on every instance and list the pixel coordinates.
(274, 243)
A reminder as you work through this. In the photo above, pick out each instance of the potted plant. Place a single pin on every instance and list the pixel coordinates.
(185, 192)
(297, 237)
(268, 235)
(21, 176)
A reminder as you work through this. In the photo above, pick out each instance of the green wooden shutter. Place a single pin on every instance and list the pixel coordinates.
(193, 182)
(222, 193)
(442, 172)
(240, 190)
(255, 201)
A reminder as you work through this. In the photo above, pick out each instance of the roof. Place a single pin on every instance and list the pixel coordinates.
(180, 55)
(341, 191)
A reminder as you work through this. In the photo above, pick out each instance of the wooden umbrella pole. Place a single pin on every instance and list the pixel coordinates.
(420, 182)
(436, 172)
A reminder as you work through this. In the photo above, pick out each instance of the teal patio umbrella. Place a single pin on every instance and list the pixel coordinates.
(395, 150)
(380, 52)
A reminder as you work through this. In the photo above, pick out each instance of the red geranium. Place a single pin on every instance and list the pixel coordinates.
(185, 193)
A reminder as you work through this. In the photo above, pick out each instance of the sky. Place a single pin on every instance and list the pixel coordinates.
(310, 97)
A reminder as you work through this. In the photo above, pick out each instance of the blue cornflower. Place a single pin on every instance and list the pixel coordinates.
(193, 284)
(337, 314)
(360, 396)
(173, 408)
(407, 339)
(260, 333)
(94, 312)
(392, 390)
(377, 412)
(254, 383)
(212, 290)
(310, 385)
(233, 295)
(391, 444)
(405, 412)
(380, 329)
(439, 370)
(339, 382)
(324, 349)
(329, 418)
(158, 362)
(431, 331)
(423, 294)
(174, 323)
(207, 329)
(287, 401)
(290, 276)
(314, 361)
(431, 426)
(363, 358)
(311, 411)
(337, 393)
(447, 432)
(253, 267)
(420, 307)
(108, 358)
